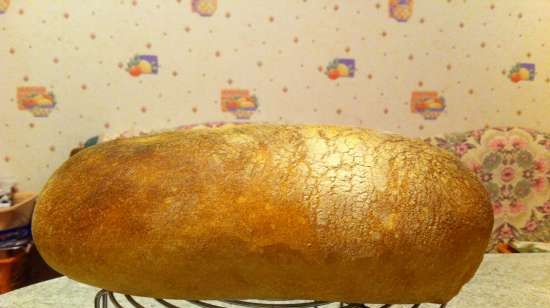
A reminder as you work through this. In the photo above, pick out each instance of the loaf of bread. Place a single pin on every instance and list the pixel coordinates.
(267, 212)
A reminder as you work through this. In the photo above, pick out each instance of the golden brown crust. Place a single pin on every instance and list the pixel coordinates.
(268, 212)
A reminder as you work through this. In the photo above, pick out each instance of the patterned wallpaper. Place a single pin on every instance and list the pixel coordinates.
(72, 69)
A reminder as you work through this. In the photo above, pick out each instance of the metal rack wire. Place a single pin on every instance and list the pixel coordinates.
(104, 297)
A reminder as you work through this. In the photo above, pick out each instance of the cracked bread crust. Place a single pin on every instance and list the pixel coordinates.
(268, 212)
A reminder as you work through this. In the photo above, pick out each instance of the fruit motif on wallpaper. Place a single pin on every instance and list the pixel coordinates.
(428, 103)
(204, 7)
(522, 72)
(401, 10)
(38, 100)
(143, 64)
(239, 102)
(4, 4)
(340, 68)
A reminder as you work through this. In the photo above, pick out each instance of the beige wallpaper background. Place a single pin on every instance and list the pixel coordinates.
(286, 61)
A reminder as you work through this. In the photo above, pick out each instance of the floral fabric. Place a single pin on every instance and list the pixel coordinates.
(514, 165)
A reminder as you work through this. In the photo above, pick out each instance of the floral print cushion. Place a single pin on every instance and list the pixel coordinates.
(514, 165)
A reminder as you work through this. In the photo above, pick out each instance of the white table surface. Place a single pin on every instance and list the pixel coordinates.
(511, 281)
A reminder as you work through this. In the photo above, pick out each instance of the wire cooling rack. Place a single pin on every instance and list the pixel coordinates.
(104, 297)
